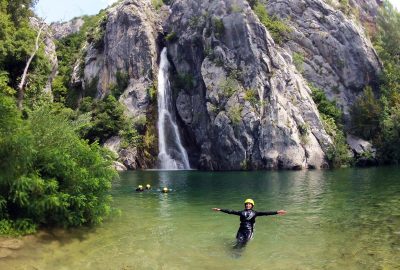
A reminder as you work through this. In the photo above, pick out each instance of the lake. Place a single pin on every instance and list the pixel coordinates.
(337, 219)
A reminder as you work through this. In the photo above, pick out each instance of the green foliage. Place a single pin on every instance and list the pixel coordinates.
(235, 114)
(218, 26)
(250, 95)
(130, 137)
(157, 4)
(378, 118)
(17, 228)
(152, 92)
(122, 83)
(96, 34)
(171, 37)
(107, 118)
(326, 107)
(70, 51)
(275, 26)
(345, 6)
(338, 153)
(17, 41)
(298, 61)
(4, 87)
(366, 113)
(48, 175)
(229, 86)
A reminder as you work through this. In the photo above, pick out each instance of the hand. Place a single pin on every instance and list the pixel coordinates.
(216, 209)
(281, 212)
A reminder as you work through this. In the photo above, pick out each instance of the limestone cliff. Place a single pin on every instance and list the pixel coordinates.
(240, 100)
(338, 57)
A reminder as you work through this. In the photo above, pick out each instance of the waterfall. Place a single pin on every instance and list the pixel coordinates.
(172, 155)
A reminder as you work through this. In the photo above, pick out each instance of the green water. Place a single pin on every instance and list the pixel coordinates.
(342, 219)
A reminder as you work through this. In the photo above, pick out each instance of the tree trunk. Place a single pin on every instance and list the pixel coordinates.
(24, 75)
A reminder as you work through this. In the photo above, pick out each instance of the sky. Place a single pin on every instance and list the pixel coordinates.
(64, 10)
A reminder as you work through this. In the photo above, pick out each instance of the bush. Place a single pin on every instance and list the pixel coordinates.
(122, 79)
(48, 175)
(218, 26)
(171, 37)
(325, 106)
(365, 115)
(338, 153)
(250, 95)
(275, 26)
(235, 114)
(107, 118)
(229, 86)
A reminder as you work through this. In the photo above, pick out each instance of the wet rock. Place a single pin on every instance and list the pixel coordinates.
(364, 153)
(119, 166)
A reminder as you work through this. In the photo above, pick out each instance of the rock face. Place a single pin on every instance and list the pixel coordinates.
(63, 29)
(247, 107)
(364, 153)
(129, 48)
(240, 101)
(338, 58)
(126, 56)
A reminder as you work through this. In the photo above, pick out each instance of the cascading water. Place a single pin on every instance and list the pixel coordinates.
(172, 155)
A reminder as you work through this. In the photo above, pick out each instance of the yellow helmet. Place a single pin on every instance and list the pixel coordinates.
(249, 201)
(148, 186)
(140, 186)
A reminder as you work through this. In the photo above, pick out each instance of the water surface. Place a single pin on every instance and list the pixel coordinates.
(342, 219)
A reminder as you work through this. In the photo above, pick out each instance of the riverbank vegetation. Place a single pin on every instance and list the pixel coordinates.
(376, 114)
(49, 174)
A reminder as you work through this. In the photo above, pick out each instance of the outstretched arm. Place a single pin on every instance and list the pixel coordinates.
(268, 213)
(232, 212)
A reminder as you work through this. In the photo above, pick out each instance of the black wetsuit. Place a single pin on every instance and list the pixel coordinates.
(247, 220)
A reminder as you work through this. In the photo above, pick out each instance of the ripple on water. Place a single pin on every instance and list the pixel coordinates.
(345, 219)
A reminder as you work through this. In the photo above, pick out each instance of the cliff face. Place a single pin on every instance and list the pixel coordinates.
(338, 57)
(249, 108)
(240, 101)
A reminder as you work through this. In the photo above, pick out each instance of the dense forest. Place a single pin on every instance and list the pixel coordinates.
(53, 169)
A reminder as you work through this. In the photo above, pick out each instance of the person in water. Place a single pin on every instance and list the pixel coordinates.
(139, 188)
(247, 220)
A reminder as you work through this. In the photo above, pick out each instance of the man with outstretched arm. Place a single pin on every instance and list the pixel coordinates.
(247, 220)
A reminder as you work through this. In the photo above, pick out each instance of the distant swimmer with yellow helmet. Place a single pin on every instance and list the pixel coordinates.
(247, 220)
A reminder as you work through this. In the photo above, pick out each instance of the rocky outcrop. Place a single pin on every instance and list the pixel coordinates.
(338, 57)
(129, 48)
(364, 153)
(247, 107)
(63, 29)
(125, 58)
(49, 50)
(240, 101)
